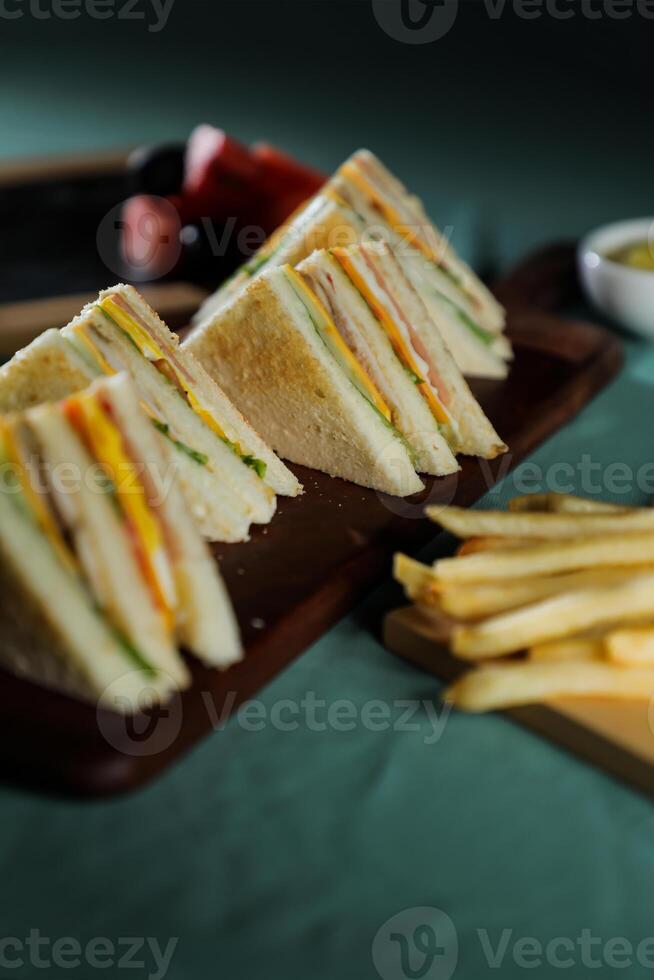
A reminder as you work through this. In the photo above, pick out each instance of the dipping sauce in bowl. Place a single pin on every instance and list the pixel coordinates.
(616, 268)
(637, 255)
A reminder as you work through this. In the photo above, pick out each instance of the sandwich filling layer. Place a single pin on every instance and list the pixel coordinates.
(366, 275)
(87, 342)
(446, 292)
(165, 359)
(294, 227)
(22, 482)
(28, 492)
(92, 419)
(328, 333)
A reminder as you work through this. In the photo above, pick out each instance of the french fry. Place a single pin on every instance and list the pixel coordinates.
(483, 523)
(559, 651)
(564, 503)
(476, 599)
(441, 625)
(568, 579)
(555, 618)
(418, 579)
(510, 685)
(474, 545)
(631, 646)
(472, 601)
(549, 558)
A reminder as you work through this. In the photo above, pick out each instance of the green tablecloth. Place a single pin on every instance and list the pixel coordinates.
(278, 853)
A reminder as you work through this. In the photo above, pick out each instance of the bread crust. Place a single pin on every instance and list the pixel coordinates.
(47, 370)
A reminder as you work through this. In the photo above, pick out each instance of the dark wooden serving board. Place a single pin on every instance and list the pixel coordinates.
(318, 556)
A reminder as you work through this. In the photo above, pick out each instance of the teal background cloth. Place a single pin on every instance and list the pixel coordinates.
(281, 854)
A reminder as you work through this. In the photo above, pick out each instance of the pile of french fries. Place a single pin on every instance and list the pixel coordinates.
(553, 598)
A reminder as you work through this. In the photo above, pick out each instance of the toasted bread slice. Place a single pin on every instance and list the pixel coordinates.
(274, 352)
(45, 371)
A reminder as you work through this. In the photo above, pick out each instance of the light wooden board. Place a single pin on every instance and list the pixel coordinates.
(614, 735)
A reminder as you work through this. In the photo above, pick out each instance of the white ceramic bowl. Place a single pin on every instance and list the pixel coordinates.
(620, 292)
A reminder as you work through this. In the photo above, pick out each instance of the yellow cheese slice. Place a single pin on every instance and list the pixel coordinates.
(37, 505)
(105, 442)
(392, 331)
(328, 327)
(141, 337)
(82, 334)
(150, 349)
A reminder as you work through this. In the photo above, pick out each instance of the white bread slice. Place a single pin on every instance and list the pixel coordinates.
(471, 431)
(502, 347)
(411, 213)
(265, 352)
(212, 398)
(51, 634)
(205, 620)
(372, 348)
(46, 370)
(101, 540)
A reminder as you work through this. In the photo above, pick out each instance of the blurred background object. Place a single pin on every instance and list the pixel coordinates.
(192, 197)
(616, 263)
(515, 130)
